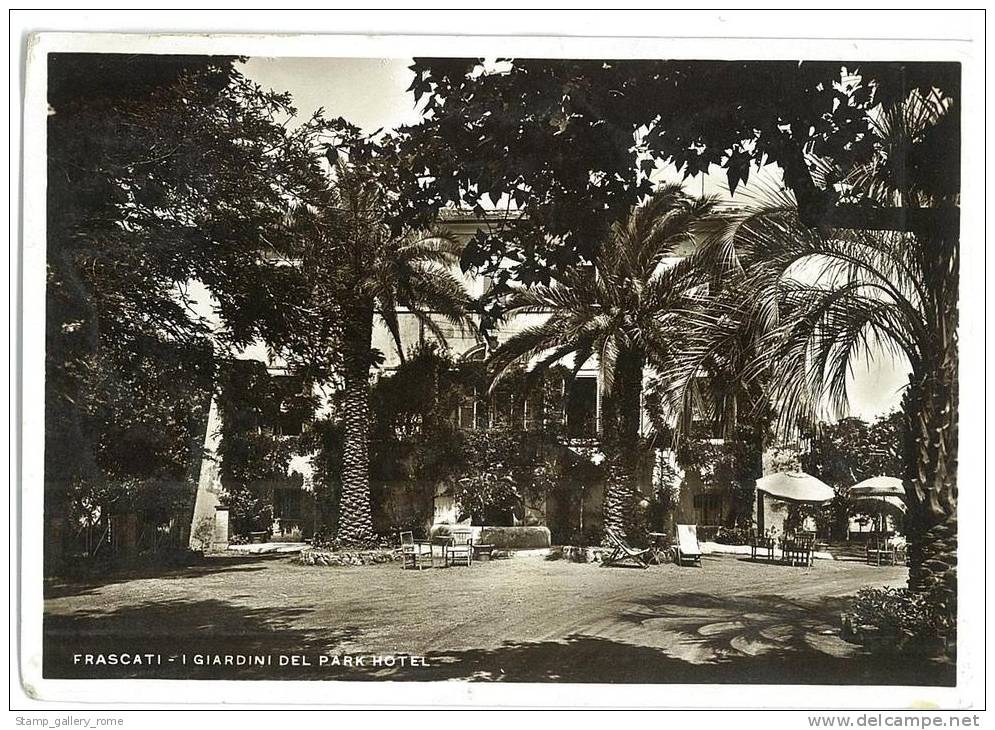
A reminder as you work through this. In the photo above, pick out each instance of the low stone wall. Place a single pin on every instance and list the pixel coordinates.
(577, 554)
(331, 558)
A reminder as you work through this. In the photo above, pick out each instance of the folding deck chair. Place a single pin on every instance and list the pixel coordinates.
(624, 554)
(688, 550)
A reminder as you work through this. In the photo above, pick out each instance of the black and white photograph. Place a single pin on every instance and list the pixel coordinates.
(498, 367)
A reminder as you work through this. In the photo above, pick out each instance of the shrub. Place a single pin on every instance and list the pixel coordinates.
(328, 541)
(732, 536)
(521, 538)
(897, 620)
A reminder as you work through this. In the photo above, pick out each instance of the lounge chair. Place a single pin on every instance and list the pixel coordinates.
(624, 554)
(416, 554)
(688, 550)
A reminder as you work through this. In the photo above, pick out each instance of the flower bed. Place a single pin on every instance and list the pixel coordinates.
(332, 558)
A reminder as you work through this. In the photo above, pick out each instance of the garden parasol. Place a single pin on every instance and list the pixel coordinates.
(881, 495)
(795, 486)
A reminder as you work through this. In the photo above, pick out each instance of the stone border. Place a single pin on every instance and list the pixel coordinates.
(576, 554)
(339, 558)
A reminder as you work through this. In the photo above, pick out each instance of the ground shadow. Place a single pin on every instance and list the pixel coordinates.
(701, 638)
(182, 636)
(81, 585)
(584, 659)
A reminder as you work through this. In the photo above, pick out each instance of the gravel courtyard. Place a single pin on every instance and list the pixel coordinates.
(523, 619)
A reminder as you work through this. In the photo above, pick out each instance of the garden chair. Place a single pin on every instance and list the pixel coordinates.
(460, 549)
(688, 549)
(797, 551)
(416, 554)
(761, 545)
(880, 551)
(623, 554)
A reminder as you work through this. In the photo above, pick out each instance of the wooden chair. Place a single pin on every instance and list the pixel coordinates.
(623, 554)
(880, 551)
(460, 549)
(762, 544)
(416, 554)
(688, 549)
(797, 551)
(805, 536)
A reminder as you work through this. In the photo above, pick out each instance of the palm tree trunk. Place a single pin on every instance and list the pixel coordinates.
(355, 525)
(621, 415)
(931, 489)
(931, 410)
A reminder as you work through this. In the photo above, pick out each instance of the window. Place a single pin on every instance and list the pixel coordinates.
(482, 415)
(289, 417)
(287, 504)
(474, 411)
(291, 421)
(582, 408)
(533, 411)
(467, 409)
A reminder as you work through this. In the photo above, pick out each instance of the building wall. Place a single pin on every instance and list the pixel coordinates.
(209, 493)
(402, 502)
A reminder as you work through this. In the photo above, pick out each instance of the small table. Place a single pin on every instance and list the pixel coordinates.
(444, 543)
(660, 546)
(480, 550)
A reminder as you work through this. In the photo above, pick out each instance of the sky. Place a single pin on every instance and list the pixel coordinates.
(372, 94)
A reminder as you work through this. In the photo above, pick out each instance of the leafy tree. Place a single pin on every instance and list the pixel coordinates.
(416, 436)
(414, 433)
(573, 140)
(849, 451)
(162, 170)
(502, 473)
(625, 309)
(323, 440)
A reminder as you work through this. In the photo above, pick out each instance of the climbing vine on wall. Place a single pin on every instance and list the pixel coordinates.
(732, 465)
(437, 421)
(255, 451)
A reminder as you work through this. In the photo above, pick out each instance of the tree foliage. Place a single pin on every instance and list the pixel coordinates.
(849, 451)
(573, 141)
(254, 454)
(162, 171)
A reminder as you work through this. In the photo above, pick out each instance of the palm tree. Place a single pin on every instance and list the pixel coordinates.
(810, 302)
(624, 309)
(363, 271)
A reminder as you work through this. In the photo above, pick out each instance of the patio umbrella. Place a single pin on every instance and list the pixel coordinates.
(795, 486)
(880, 495)
(878, 487)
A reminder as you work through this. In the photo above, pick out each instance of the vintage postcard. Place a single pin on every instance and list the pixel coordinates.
(475, 368)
